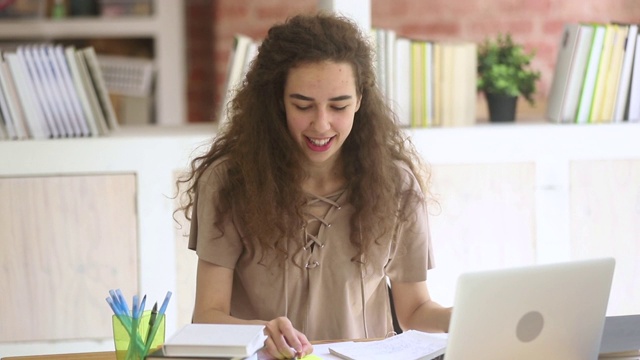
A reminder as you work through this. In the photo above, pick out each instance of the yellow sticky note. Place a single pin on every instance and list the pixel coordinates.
(311, 357)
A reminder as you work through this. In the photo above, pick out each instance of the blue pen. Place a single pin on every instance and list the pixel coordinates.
(115, 299)
(123, 301)
(163, 308)
(113, 306)
(135, 331)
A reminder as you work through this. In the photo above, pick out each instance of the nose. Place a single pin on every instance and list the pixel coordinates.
(322, 121)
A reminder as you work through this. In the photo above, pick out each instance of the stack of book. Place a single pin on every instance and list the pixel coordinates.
(213, 341)
(427, 83)
(50, 91)
(597, 74)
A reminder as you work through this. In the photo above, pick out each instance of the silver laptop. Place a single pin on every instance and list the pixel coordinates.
(551, 311)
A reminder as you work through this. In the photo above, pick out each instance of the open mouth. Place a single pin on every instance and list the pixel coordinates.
(319, 144)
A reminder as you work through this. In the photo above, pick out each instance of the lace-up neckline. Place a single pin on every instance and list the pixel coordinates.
(316, 213)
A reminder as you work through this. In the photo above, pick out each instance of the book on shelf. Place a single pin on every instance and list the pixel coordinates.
(3, 131)
(215, 340)
(7, 129)
(417, 111)
(9, 92)
(410, 345)
(402, 86)
(597, 103)
(242, 53)
(634, 91)
(591, 72)
(102, 94)
(594, 74)
(613, 73)
(462, 99)
(90, 91)
(622, 98)
(570, 67)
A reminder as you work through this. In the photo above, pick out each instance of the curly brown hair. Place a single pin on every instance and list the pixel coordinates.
(264, 163)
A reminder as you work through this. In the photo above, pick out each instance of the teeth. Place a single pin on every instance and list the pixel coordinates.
(319, 142)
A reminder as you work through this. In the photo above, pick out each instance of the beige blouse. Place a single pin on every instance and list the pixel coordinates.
(319, 288)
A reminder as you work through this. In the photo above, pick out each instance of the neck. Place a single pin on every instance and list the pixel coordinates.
(324, 179)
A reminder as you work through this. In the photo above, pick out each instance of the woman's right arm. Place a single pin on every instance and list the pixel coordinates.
(213, 304)
(213, 295)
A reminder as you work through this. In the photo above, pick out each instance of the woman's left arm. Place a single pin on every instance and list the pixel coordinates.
(416, 310)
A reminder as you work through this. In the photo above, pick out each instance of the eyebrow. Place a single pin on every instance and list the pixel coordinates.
(306, 98)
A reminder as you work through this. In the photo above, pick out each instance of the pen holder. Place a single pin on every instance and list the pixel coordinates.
(134, 338)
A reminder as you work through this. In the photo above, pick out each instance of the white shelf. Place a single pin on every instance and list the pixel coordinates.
(75, 28)
(165, 27)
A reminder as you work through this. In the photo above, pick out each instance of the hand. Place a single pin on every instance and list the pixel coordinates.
(284, 341)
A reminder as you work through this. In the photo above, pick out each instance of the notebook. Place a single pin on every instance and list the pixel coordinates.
(550, 311)
(410, 345)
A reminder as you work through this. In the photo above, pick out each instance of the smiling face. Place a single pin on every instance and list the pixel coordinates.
(320, 102)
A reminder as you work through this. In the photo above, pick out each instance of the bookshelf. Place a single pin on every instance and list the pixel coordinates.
(507, 195)
(165, 28)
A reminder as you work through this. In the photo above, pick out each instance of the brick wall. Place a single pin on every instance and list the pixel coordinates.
(535, 23)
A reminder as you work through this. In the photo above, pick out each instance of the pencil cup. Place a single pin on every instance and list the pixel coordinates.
(136, 338)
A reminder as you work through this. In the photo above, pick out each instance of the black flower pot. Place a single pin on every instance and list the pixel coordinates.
(502, 108)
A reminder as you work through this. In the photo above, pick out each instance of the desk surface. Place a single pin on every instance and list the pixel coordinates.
(110, 355)
(106, 355)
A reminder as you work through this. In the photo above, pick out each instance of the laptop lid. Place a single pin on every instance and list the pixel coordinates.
(550, 311)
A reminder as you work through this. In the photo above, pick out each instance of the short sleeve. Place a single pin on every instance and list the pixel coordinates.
(221, 248)
(411, 253)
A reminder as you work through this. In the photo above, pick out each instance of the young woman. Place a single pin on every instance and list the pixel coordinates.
(310, 198)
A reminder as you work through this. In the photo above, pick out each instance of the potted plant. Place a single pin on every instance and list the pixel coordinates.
(504, 74)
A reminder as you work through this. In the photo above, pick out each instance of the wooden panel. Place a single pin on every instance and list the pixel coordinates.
(605, 221)
(64, 242)
(484, 218)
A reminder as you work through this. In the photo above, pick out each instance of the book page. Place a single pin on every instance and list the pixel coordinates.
(410, 345)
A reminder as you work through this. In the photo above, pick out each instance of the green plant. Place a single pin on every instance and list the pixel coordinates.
(504, 68)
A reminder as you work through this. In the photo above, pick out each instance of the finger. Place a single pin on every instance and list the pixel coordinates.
(302, 345)
(306, 350)
(285, 348)
(279, 348)
(271, 349)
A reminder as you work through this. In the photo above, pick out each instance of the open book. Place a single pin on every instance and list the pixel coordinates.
(410, 345)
